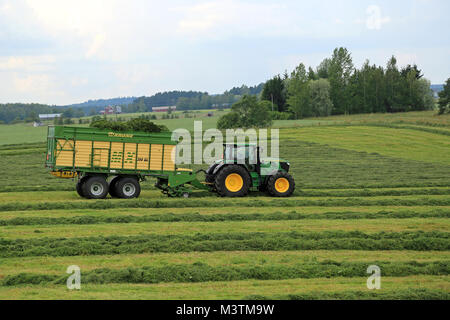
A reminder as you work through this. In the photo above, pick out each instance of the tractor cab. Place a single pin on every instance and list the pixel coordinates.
(241, 153)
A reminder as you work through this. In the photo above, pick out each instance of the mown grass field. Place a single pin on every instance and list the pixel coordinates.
(367, 193)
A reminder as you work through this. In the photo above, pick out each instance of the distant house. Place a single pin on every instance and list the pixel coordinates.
(111, 110)
(223, 105)
(50, 116)
(164, 109)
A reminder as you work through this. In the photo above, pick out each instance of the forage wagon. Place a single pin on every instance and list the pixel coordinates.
(106, 162)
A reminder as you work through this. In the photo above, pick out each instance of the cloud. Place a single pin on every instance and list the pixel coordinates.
(139, 47)
(375, 20)
(79, 81)
(31, 88)
(32, 83)
(27, 63)
(96, 45)
(4, 8)
(83, 22)
(224, 18)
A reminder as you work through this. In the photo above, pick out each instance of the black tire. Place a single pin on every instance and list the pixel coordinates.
(209, 178)
(95, 187)
(112, 187)
(209, 173)
(221, 177)
(274, 189)
(127, 188)
(79, 187)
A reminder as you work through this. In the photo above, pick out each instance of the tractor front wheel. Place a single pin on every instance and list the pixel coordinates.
(281, 184)
(232, 181)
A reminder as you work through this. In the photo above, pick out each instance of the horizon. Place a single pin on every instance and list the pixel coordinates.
(67, 53)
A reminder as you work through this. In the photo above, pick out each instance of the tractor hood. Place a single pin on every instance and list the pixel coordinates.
(273, 160)
(263, 160)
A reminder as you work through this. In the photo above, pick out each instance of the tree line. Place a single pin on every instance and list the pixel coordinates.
(24, 112)
(337, 87)
(192, 100)
(184, 100)
(444, 98)
(138, 124)
(12, 112)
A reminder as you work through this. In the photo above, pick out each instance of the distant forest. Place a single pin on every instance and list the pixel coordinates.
(336, 87)
(101, 103)
(184, 100)
(190, 100)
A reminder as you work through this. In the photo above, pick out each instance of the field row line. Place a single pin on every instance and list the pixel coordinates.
(282, 241)
(325, 192)
(331, 190)
(414, 287)
(58, 265)
(218, 202)
(402, 294)
(201, 272)
(219, 217)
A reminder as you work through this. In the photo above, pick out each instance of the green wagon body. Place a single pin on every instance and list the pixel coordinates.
(80, 151)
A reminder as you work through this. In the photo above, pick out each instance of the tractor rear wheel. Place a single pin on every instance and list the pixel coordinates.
(232, 181)
(95, 187)
(281, 184)
(127, 188)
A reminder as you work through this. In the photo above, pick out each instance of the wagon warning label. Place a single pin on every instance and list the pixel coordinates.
(116, 157)
(130, 157)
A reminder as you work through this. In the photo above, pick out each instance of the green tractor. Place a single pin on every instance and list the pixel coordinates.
(242, 170)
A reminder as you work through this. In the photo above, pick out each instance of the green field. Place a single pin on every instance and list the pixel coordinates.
(426, 120)
(371, 189)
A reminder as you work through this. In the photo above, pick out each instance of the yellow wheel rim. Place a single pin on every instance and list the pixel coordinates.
(282, 185)
(234, 182)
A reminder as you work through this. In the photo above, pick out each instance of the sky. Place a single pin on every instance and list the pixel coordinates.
(64, 51)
